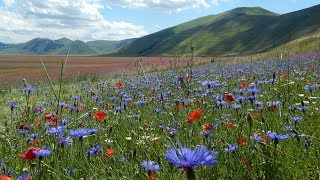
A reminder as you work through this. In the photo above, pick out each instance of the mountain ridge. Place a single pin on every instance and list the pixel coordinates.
(45, 46)
(237, 31)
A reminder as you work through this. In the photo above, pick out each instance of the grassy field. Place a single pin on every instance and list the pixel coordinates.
(220, 120)
(14, 68)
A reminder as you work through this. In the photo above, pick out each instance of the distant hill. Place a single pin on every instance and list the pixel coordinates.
(108, 46)
(42, 46)
(3, 46)
(238, 31)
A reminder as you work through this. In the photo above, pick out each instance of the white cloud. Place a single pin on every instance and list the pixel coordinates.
(168, 6)
(218, 2)
(215, 2)
(23, 20)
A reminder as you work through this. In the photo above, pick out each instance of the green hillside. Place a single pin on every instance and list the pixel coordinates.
(105, 46)
(238, 31)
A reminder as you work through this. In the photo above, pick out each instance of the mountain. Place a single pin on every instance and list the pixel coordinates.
(3, 46)
(108, 46)
(65, 41)
(238, 31)
(43, 46)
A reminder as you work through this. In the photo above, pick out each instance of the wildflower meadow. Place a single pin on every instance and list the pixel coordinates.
(256, 119)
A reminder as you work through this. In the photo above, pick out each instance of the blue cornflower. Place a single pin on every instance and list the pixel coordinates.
(256, 138)
(28, 89)
(65, 142)
(253, 91)
(236, 106)
(150, 166)
(94, 150)
(162, 96)
(137, 116)
(38, 109)
(71, 171)
(23, 132)
(65, 121)
(76, 98)
(42, 153)
(141, 102)
(296, 119)
(276, 137)
(124, 159)
(251, 98)
(303, 108)
(288, 128)
(308, 144)
(292, 107)
(80, 133)
(102, 103)
(187, 158)
(92, 131)
(1, 163)
(56, 130)
(231, 148)
(273, 103)
(13, 106)
(24, 176)
(258, 103)
(10, 171)
(32, 137)
(221, 103)
(205, 133)
(63, 104)
(240, 99)
(172, 131)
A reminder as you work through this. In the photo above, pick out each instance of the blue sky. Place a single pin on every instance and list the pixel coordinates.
(22, 20)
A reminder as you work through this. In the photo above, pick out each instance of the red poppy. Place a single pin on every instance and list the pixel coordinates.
(24, 126)
(109, 153)
(109, 106)
(242, 142)
(52, 118)
(244, 84)
(119, 85)
(82, 107)
(283, 75)
(5, 177)
(255, 114)
(153, 91)
(265, 139)
(152, 175)
(207, 127)
(229, 125)
(100, 115)
(36, 122)
(196, 114)
(228, 97)
(36, 141)
(156, 141)
(29, 154)
(181, 105)
(145, 127)
(49, 116)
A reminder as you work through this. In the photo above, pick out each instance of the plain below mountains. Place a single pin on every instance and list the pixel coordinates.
(234, 32)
